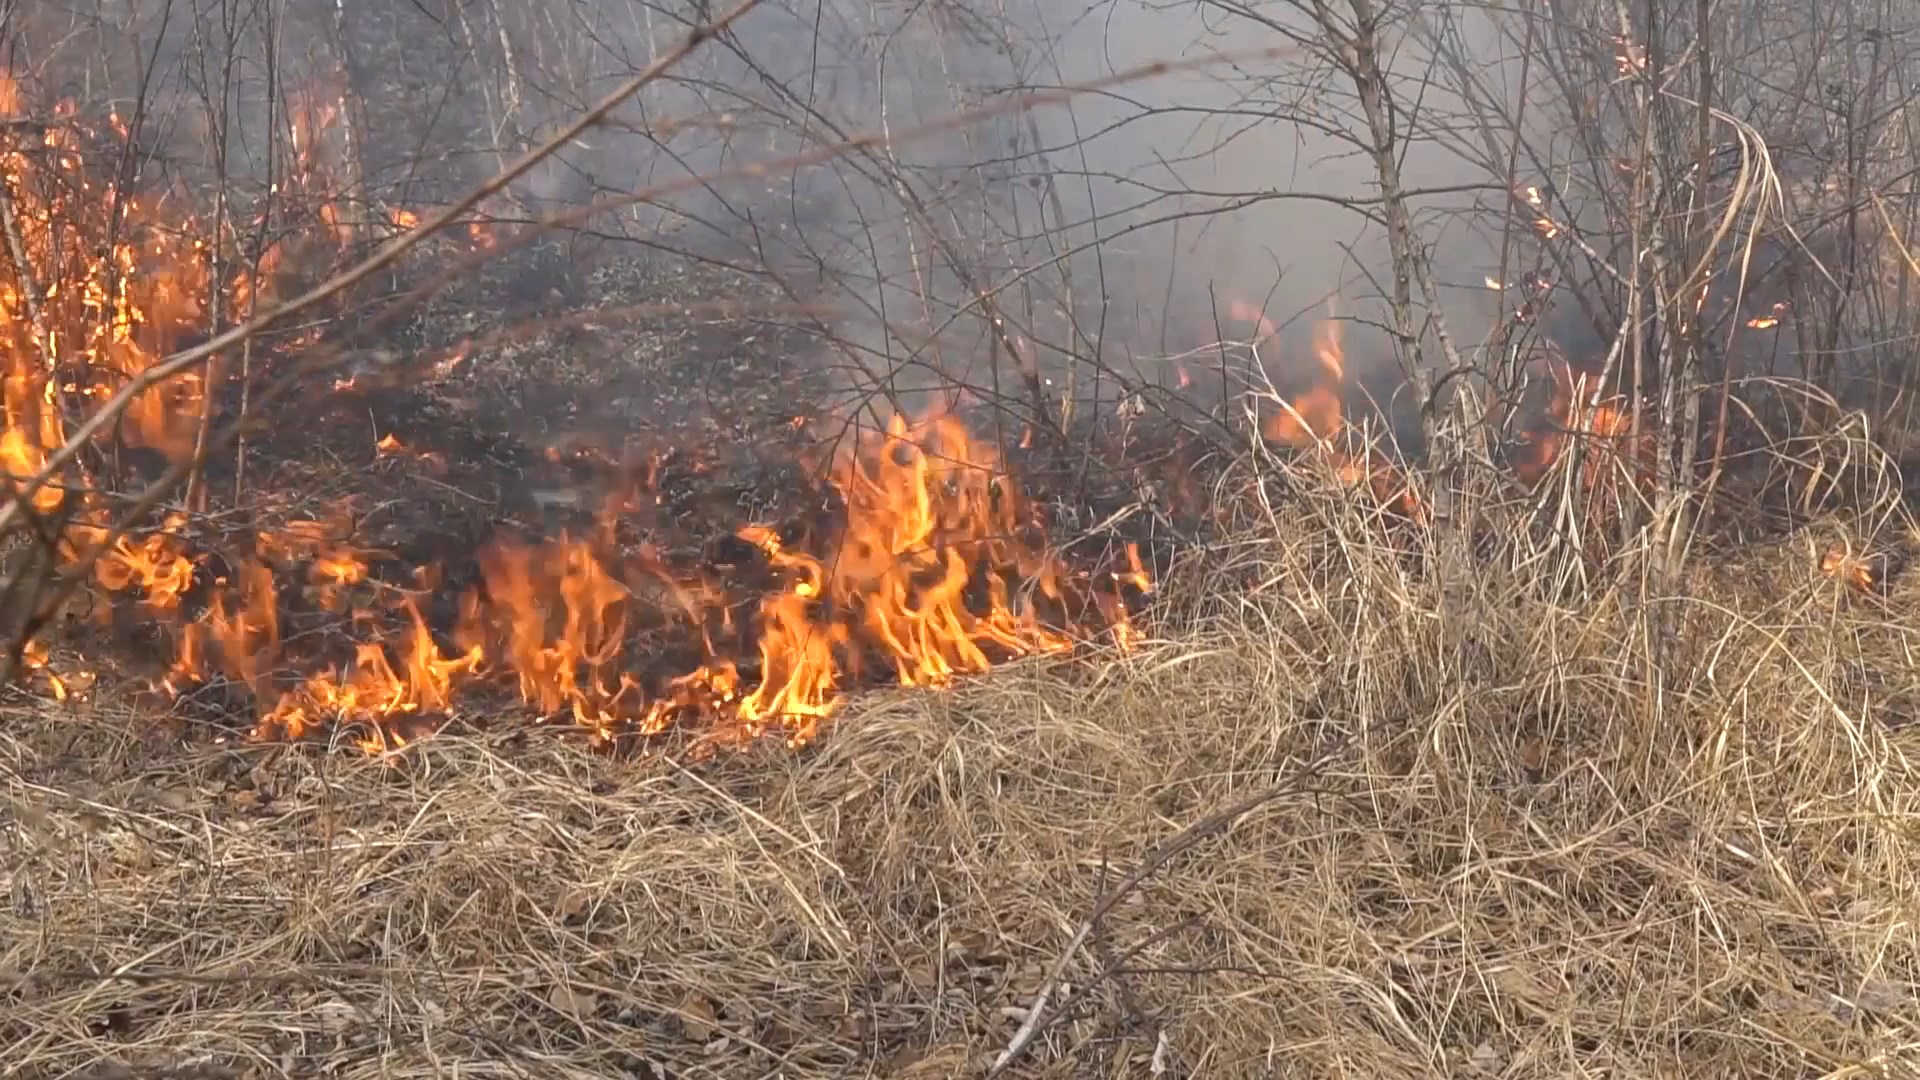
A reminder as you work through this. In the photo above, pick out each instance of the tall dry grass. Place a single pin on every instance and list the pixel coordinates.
(1527, 856)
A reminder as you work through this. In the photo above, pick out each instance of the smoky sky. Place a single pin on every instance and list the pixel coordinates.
(1121, 225)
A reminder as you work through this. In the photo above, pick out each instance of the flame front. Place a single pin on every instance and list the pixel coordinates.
(934, 567)
(929, 514)
(935, 570)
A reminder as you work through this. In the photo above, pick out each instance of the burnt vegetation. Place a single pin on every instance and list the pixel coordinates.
(1220, 539)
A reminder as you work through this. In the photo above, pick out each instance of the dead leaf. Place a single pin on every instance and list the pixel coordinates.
(34, 820)
(335, 1015)
(574, 904)
(823, 1010)
(1533, 754)
(974, 947)
(135, 853)
(1027, 981)
(575, 1003)
(260, 776)
(1524, 986)
(698, 1019)
(178, 799)
(923, 973)
(1790, 1003)
(939, 1061)
(1879, 996)
(1486, 1058)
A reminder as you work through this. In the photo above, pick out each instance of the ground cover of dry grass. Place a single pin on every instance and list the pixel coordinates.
(1520, 858)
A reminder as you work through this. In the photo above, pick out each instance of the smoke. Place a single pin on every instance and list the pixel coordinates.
(1257, 185)
(1113, 237)
(1122, 227)
(1108, 233)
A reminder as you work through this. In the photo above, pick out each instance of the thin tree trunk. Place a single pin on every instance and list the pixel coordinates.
(354, 209)
(1451, 416)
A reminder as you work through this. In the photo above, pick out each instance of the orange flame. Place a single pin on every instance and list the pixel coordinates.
(1314, 419)
(372, 687)
(926, 509)
(1771, 319)
(1605, 430)
(932, 574)
(1314, 415)
(937, 569)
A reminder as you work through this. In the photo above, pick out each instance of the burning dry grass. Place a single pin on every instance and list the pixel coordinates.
(1521, 860)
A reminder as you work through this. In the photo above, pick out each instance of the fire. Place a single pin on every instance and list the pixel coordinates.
(1241, 311)
(1133, 575)
(155, 565)
(1314, 415)
(1313, 420)
(557, 618)
(248, 636)
(933, 573)
(1542, 224)
(935, 570)
(927, 509)
(423, 685)
(101, 286)
(82, 314)
(932, 567)
(23, 458)
(389, 446)
(1771, 319)
(1605, 430)
(1862, 572)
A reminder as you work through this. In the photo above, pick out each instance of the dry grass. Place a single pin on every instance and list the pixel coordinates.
(1525, 861)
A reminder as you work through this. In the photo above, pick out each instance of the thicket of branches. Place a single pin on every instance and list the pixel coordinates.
(1023, 203)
